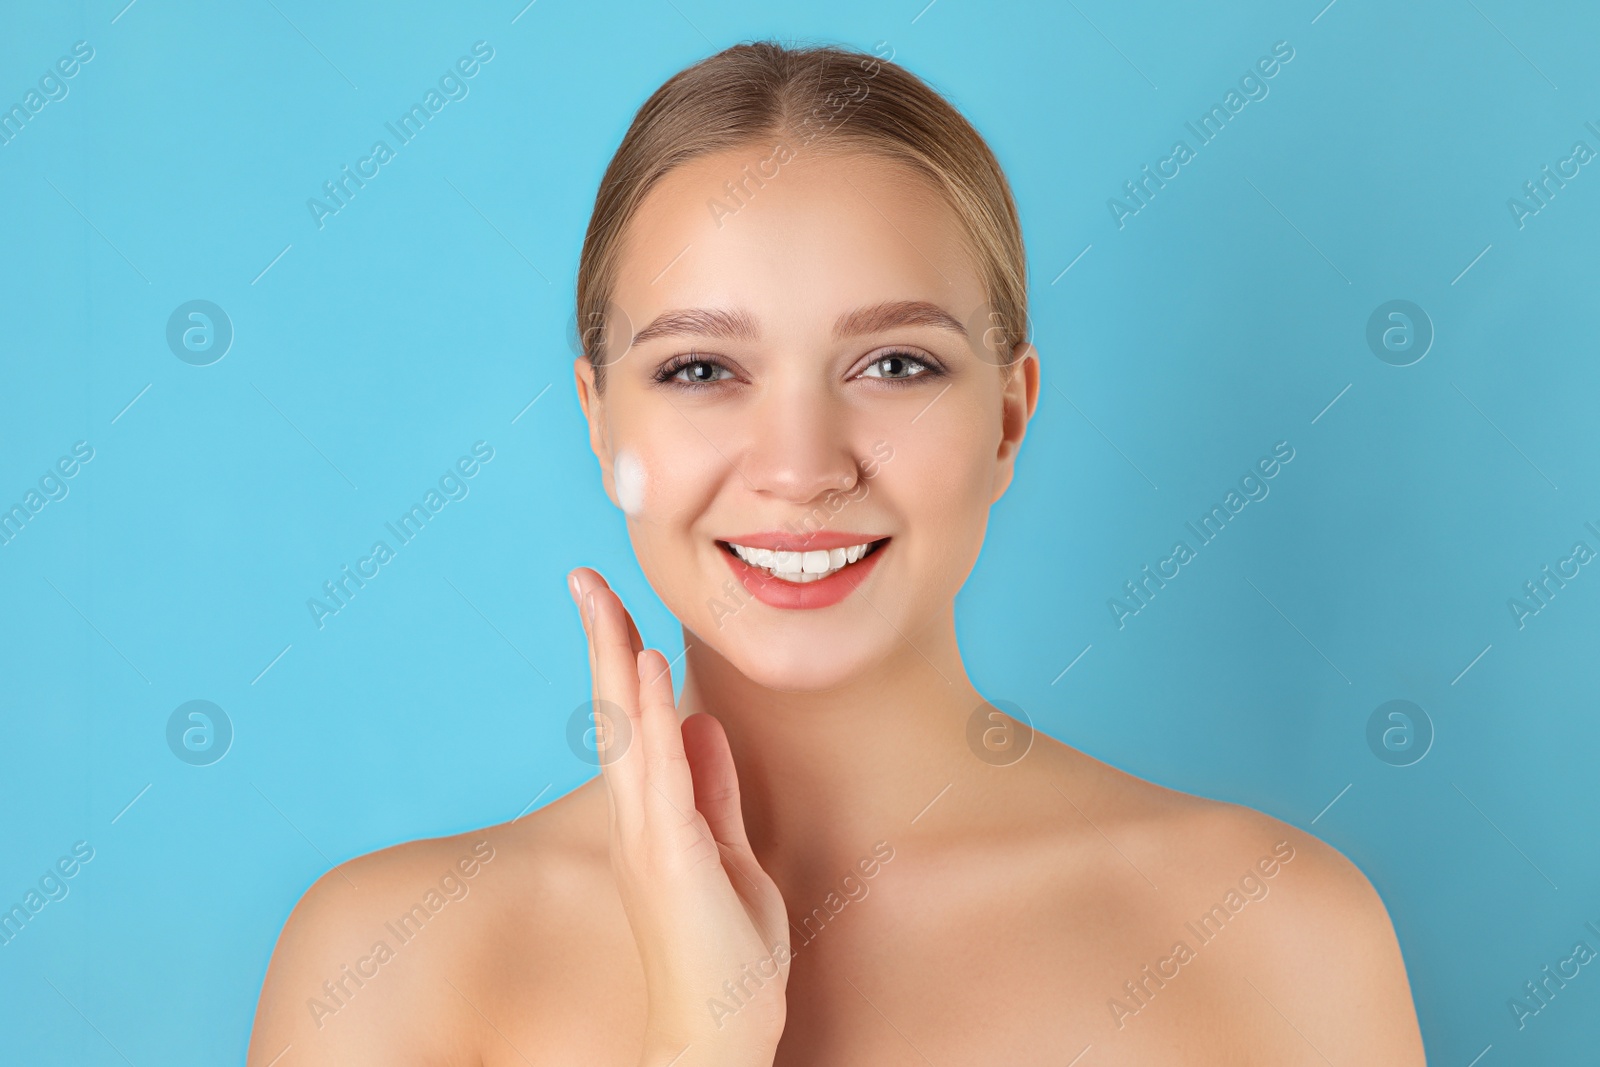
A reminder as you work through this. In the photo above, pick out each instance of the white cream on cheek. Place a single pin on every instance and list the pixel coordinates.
(628, 475)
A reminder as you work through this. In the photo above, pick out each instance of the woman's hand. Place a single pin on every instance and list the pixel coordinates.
(709, 923)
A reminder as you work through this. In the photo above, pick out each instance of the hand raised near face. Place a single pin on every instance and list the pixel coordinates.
(702, 910)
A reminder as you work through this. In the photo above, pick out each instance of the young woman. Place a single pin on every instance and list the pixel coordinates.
(806, 382)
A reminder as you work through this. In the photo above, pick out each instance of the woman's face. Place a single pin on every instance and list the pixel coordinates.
(807, 375)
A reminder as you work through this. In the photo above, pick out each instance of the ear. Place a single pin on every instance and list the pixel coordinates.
(594, 411)
(1019, 396)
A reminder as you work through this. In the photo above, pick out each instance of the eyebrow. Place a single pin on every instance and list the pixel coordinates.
(700, 322)
(739, 326)
(885, 316)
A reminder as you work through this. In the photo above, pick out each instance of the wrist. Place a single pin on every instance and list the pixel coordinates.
(731, 1031)
(709, 1050)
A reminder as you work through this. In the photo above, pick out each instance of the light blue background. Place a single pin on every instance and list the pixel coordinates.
(1224, 317)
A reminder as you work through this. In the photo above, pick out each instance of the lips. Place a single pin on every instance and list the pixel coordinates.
(819, 570)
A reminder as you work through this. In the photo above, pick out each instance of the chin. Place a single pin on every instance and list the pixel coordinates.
(791, 659)
(794, 670)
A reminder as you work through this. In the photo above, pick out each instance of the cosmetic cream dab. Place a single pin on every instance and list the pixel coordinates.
(628, 473)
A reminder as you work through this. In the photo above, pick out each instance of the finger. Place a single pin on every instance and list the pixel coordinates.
(667, 770)
(581, 581)
(588, 578)
(716, 781)
(716, 793)
(615, 730)
(616, 701)
(575, 586)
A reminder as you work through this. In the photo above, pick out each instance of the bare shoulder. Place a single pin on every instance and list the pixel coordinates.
(1319, 962)
(1196, 837)
(1290, 930)
(402, 955)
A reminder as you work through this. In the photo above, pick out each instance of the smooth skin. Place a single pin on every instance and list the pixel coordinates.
(940, 908)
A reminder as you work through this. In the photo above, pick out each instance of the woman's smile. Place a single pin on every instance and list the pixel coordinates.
(786, 570)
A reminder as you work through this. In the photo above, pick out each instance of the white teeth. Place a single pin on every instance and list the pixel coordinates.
(801, 567)
(756, 557)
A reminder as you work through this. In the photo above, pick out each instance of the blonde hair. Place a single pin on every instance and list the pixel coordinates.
(823, 98)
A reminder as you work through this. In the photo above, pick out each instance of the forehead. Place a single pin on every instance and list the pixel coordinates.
(794, 241)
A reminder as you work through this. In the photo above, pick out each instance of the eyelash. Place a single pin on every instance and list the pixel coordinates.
(665, 376)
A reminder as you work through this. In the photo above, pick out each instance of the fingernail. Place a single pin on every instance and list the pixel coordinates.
(588, 606)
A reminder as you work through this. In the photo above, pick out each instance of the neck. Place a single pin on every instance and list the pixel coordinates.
(825, 775)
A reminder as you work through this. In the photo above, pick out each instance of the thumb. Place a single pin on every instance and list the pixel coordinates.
(716, 782)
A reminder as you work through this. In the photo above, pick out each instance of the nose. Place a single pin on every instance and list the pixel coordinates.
(800, 447)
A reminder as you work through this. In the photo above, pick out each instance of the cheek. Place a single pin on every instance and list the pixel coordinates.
(632, 483)
(942, 481)
(944, 476)
(662, 479)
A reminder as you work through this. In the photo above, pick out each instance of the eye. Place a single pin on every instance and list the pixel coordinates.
(690, 369)
(900, 367)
